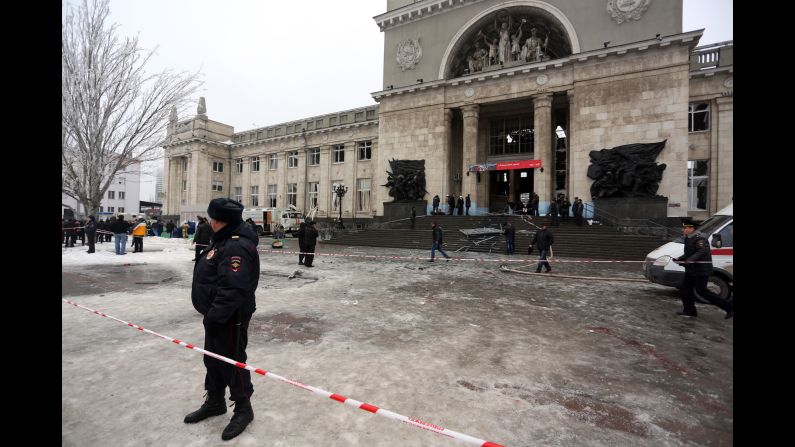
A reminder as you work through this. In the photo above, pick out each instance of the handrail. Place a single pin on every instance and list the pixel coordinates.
(621, 222)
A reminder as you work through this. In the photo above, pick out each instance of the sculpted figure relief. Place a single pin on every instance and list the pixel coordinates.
(503, 44)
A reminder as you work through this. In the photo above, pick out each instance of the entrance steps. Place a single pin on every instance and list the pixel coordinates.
(587, 242)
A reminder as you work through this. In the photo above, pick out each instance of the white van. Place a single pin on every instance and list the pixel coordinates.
(719, 230)
(267, 219)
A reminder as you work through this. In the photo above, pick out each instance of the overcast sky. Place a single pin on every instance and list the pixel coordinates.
(265, 62)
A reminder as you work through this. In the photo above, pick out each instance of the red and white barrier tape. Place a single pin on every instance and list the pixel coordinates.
(342, 399)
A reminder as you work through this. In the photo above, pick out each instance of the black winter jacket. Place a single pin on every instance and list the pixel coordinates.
(226, 275)
(697, 249)
(544, 239)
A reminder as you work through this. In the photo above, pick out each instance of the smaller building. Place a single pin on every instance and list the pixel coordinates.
(121, 197)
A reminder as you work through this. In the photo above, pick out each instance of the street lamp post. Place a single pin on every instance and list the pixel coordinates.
(340, 190)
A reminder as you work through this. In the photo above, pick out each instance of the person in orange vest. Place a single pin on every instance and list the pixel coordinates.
(138, 233)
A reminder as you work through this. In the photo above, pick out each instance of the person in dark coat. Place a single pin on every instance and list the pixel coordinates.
(91, 233)
(310, 239)
(467, 203)
(553, 211)
(438, 241)
(565, 205)
(534, 205)
(170, 227)
(253, 225)
(435, 204)
(69, 233)
(301, 244)
(202, 237)
(577, 209)
(460, 205)
(544, 240)
(120, 228)
(510, 235)
(697, 261)
(450, 204)
(225, 278)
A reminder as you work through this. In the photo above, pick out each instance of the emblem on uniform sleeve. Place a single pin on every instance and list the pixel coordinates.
(210, 254)
(236, 263)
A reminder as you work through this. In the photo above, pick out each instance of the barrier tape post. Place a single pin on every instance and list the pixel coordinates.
(339, 398)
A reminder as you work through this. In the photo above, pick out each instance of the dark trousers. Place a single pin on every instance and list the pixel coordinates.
(699, 284)
(301, 251)
(467, 211)
(91, 237)
(68, 241)
(564, 216)
(437, 246)
(138, 243)
(555, 220)
(199, 249)
(222, 339)
(578, 219)
(310, 257)
(451, 208)
(542, 261)
(509, 246)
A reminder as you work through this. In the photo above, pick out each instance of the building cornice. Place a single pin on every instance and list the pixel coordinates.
(711, 72)
(306, 133)
(689, 39)
(418, 11)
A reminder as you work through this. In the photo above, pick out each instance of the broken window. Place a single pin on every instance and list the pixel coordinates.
(698, 117)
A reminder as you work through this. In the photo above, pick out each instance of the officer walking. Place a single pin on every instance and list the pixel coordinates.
(310, 239)
(697, 261)
(544, 239)
(225, 278)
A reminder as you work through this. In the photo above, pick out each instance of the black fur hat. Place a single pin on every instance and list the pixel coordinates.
(225, 210)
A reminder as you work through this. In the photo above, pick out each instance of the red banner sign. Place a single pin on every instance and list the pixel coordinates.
(505, 165)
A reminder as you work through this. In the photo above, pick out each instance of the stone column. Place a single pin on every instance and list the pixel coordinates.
(447, 166)
(542, 144)
(469, 182)
(721, 179)
(569, 121)
(324, 189)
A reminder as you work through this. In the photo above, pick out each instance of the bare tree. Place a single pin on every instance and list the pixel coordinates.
(113, 113)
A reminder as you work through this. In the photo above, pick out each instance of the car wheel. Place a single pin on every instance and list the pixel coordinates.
(718, 286)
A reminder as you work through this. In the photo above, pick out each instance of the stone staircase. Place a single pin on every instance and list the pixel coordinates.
(588, 241)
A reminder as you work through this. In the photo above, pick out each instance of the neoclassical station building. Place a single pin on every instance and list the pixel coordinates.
(500, 99)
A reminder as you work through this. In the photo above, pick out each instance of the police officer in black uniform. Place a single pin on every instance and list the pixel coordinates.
(697, 261)
(225, 277)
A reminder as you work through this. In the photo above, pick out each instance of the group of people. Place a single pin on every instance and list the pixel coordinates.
(460, 206)
(92, 231)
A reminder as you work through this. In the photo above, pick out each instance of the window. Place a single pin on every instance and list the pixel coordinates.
(218, 186)
(184, 165)
(511, 135)
(698, 116)
(272, 196)
(111, 194)
(697, 184)
(312, 195)
(363, 194)
(238, 195)
(239, 166)
(339, 153)
(110, 209)
(292, 159)
(218, 166)
(309, 125)
(358, 116)
(335, 201)
(727, 236)
(318, 124)
(314, 156)
(255, 164)
(121, 209)
(184, 185)
(332, 121)
(121, 195)
(343, 119)
(292, 194)
(370, 114)
(365, 150)
(255, 195)
(273, 162)
(102, 209)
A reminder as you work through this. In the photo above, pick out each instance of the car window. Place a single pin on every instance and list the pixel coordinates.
(727, 236)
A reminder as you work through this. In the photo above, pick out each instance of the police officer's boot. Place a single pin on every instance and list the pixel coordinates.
(244, 414)
(214, 405)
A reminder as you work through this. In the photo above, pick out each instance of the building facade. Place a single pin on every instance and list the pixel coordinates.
(533, 85)
(122, 196)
